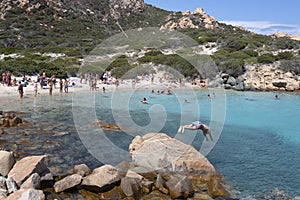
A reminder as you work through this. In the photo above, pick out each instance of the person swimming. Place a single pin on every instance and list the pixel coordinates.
(195, 126)
(144, 100)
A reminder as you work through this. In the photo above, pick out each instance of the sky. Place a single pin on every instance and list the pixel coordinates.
(259, 16)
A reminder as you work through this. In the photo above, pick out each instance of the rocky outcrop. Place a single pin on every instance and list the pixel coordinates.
(291, 36)
(161, 168)
(196, 19)
(125, 8)
(258, 77)
(269, 77)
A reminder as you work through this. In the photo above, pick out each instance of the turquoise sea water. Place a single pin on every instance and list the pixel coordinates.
(258, 149)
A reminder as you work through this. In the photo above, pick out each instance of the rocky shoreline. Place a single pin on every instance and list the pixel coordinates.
(161, 168)
(259, 78)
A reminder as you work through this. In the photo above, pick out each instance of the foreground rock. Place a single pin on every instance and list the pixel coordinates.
(67, 183)
(27, 166)
(102, 179)
(161, 168)
(168, 156)
(29, 194)
(7, 162)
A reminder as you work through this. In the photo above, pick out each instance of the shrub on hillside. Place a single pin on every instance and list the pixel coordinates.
(286, 55)
(266, 58)
(233, 67)
(291, 66)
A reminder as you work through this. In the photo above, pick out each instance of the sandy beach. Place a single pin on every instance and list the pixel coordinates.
(12, 91)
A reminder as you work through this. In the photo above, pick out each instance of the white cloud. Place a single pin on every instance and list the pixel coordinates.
(266, 27)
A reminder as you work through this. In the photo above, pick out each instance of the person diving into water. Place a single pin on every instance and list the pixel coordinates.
(195, 126)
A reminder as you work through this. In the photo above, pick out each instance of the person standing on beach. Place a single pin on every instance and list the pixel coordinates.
(50, 83)
(66, 84)
(35, 88)
(20, 90)
(3, 78)
(8, 79)
(117, 82)
(61, 85)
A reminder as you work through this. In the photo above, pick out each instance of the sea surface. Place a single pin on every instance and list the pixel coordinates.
(256, 143)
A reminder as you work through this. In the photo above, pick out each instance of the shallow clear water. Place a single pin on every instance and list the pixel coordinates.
(258, 148)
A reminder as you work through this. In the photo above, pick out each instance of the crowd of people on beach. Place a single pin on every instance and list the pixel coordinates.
(39, 83)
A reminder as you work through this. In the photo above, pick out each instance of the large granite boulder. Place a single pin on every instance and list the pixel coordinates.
(158, 151)
(25, 167)
(7, 161)
(102, 179)
(164, 154)
(67, 182)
